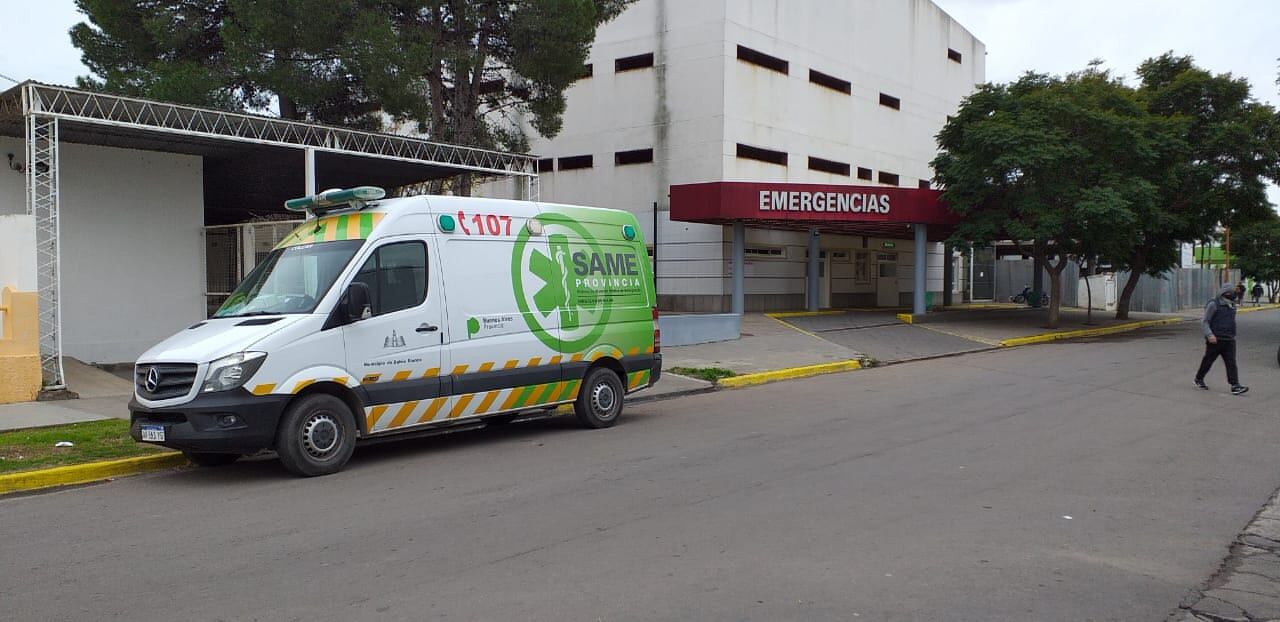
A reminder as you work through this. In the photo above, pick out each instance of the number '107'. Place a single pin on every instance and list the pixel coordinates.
(491, 224)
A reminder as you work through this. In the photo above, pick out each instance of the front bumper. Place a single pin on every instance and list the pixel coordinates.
(203, 423)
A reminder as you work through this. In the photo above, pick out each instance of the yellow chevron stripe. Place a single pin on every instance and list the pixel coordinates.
(431, 373)
(486, 367)
(634, 351)
(371, 419)
(353, 228)
(577, 357)
(533, 362)
(403, 414)
(302, 385)
(575, 385)
(511, 364)
(461, 405)
(263, 389)
(554, 391)
(459, 370)
(370, 378)
(487, 402)
(537, 393)
(402, 375)
(432, 409)
(510, 402)
(649, 349)
(341, 380)
(554, 360)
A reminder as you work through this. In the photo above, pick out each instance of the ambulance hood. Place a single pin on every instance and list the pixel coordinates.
(215, 338)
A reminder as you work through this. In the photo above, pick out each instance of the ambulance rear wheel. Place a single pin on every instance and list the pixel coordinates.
(599, 402)
(316, 435)
(206, 459)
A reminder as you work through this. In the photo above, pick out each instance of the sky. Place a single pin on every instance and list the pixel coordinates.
(1048, 36)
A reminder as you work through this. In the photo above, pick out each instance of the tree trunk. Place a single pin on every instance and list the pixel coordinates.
(1055, 291)
(1137, 266)
(1088, 294)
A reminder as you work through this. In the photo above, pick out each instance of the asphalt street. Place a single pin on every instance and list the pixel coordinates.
(1084, 480)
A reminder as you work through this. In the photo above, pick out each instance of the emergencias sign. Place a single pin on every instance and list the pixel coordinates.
(805, 201)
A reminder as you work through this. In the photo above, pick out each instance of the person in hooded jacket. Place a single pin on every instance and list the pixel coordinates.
(1219, 328)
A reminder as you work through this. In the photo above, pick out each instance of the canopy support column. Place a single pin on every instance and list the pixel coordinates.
(919, 284)
(738, 304)
(811, 288)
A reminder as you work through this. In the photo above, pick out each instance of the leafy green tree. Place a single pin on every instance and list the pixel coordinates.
(1055, 162)
(459, 71)
(1219, 146)
(1255, 250)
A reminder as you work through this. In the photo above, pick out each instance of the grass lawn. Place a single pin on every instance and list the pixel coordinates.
(25, 450)
(710, 374)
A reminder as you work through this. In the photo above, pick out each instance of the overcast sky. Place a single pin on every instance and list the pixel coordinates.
(1052, 36)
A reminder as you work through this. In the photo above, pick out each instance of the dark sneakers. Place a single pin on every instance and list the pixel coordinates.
(1239, 390)
(1201, 385)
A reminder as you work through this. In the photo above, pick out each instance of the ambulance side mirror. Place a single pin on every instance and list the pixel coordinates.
(358, 305)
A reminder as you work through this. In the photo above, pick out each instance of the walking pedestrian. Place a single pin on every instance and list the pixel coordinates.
(1257, 293)
(1219, 328)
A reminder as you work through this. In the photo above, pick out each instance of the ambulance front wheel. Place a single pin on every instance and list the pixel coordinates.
(599, 402)
(316, 436)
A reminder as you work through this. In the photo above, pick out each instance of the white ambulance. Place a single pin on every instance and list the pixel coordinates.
(379, 317)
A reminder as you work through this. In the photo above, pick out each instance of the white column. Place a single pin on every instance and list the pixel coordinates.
(812, 288)
(309, 169)
(919, 284)
(739, 279)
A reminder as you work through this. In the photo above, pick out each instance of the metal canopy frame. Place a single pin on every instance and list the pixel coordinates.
(39, 108)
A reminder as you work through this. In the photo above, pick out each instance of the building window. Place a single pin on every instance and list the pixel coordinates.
(629, 63)
(572, 162)
(889, 178)
(953, 55)
(828, 166)
(860, 262)
(635, 156)
(763, 155)
(764, 252)
(749, 55)
(890, 101)
(831, 82)
(546, 165)
(924, 184)
(588, 70)
(864, 173)
(840, 256)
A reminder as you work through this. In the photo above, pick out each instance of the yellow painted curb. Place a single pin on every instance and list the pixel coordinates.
(1259, 308)
(906, 318)
(781, 314)
(90, 472)
(1087, 332)
(789, 373)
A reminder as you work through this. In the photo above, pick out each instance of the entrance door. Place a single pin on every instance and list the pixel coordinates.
(887, 279)
(984, 273)
(396, 351)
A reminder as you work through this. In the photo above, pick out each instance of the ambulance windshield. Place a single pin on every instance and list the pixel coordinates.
(290, 280)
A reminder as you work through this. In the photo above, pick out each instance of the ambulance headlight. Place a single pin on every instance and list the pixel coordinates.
(229, 372)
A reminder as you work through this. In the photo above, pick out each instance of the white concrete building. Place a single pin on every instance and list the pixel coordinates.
(843, 93)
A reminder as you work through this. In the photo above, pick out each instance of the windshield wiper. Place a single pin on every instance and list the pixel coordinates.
(250, 313)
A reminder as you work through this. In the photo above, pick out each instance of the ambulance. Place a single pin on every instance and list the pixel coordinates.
(382, 317)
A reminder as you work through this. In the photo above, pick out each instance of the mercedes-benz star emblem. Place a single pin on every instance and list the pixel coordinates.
(153, 380)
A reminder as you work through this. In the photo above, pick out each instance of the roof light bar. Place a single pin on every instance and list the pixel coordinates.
(335, 197)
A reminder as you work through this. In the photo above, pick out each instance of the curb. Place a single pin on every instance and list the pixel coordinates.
(906, 318)
(86, 473)
(790, 373)
(1258, 308)
(1086, 332)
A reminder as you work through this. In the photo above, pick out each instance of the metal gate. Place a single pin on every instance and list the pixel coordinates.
(982, 275)
(231, 252)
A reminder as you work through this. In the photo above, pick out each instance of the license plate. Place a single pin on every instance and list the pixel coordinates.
(153, 433)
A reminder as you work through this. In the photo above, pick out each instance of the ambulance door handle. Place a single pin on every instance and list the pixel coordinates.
(428, 328)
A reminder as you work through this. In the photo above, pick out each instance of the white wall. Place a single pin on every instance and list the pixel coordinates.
(18, 252)
(12, 183)
(699, 101)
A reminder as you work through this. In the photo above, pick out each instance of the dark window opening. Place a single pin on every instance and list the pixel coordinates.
(546, 165)
(635, 156)
(572, 162)
(890, 101)
(764, 60)
(953, 55)
(628, 63)
(864, 173)
(587, 70)
(763, 155)
(489, 87)
(831, 82)
(396, 275)
(828, 166)
(925, 185)
(889, 178)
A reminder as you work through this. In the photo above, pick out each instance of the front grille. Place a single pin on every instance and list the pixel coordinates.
(174, 380)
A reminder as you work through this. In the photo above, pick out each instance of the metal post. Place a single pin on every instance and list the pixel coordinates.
(812, 287)
(948, 275)
(739, 279)
(309, 168)
(921, 257)
(43, 202)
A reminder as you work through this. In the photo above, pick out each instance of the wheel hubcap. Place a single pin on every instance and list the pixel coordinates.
(602, 400)
(320, 435)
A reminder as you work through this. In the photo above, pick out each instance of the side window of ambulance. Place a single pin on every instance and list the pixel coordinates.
(396, 275)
